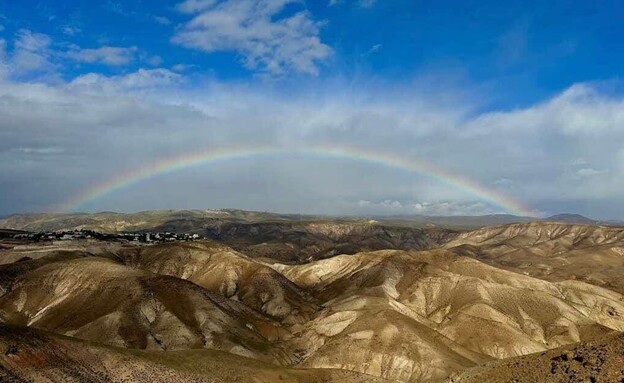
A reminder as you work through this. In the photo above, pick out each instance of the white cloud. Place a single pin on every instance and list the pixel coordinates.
(580, 110)
(31, 41)
(71, 30)
(162, 20)
(40, 151)
(438, 208)
(104, 55)
(139, 80)
(582, 169)
(2, 50)
(359, 3)
(583, 109)
(182, 67)
(31, 54)
(105, 125)
(154, 60)
(374, 49)
(265, 40)
(504, 182)
(619, 160)
(193, 6)
(591, 172)
(35, 56)
(579, 162)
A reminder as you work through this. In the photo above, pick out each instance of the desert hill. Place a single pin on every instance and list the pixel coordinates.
(100, 300)
(112, 222)
(301, 242)
(299, 238)
(288, 238)
(453, 304)
(404, 316)
(35, 355)
(223, 271)
(551, 251)
(195, 221)
(416, 316)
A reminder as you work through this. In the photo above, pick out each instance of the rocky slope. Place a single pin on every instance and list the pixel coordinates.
(599, 360)
(301, 242)
(402, 316)
(223, 271)
(551, 251)
(417, 316)
(30, 355)
(99, 300)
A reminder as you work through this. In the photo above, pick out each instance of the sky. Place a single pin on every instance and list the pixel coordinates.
(523, 99)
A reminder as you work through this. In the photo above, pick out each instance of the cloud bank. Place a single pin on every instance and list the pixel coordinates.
(61, 136)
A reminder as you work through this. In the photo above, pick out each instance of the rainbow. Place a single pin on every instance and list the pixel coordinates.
(212, 156)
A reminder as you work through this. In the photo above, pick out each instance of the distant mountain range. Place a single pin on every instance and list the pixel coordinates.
(454, 222)
(571, 218)
(579, 219)
(196, 221)
(472, 222)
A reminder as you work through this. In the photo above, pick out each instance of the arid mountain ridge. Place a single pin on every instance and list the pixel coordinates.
(494, 304)
(289, 238)
(195, 220)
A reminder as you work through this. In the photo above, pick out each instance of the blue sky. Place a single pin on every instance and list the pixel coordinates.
(529, 48)
(535, 85)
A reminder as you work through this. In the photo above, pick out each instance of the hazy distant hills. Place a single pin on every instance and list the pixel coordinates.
(454, 222)
(473, 222)
(145, 220)
(196, 220)
(572, 218)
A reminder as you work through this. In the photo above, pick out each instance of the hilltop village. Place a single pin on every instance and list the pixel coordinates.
(146, 238)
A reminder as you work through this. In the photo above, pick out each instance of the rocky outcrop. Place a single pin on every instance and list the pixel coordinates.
(599, 360)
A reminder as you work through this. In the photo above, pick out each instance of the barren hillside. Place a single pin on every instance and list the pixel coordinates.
(599, 360)
(404, 316)
(551, 251)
